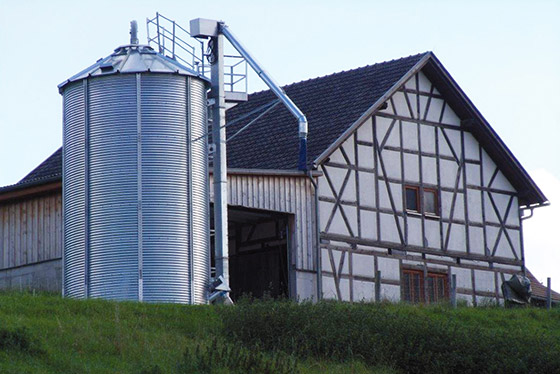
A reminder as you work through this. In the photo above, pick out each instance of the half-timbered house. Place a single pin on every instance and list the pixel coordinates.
(408, 186)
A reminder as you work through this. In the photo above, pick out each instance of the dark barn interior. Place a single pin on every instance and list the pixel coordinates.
(258, 253)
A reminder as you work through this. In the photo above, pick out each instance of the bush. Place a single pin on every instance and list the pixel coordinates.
(398, 336)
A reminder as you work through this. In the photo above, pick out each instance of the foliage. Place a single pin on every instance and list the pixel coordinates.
(411, 338)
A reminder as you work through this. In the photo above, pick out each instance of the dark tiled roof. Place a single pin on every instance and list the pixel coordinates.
(49, 170)
(331, 104)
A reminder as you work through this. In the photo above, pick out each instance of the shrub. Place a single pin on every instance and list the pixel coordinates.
(395, 336)
(17, 339)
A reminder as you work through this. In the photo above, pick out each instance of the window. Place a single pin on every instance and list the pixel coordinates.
(429, 197)
(414, 283)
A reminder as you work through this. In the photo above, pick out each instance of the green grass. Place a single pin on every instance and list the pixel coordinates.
(49, 334)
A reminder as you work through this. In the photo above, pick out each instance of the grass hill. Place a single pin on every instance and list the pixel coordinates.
(49, 334)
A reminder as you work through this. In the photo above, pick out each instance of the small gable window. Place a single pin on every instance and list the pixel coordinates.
(421, 200)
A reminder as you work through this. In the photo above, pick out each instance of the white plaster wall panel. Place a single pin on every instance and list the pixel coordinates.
(365, 156)
(382, 125)
(306, 286)
(384, 201)
(414, 225)
(337, 176)
(329, 288)
(369, 224)
(474, 204)
(367, 188)
(429, 170)
(457, 239)
(336, 257)
(424, 84)
(396, 191)
(471, 147)
(410, 84)
(449, 117)
(364, 132)
(323, 188)
(491, 236)
(437, 267)
(364, 291)
(413, 264)
(338, 225)
(344, 285)
(390, 292)
(504, 248)
(392, 162)
(352, 217)
(473, 174)
(389, 109)
(411, 168)
(389, 268)
(489, 213)
(348, 147)
(454, 138)
(325, 210)
(337, 157)
(488, 168)
(349, 193)
(476, 240)
(393, 137)
(444, 148)
(401, 106)
(423, 105)
(507, 268)
(515, 237)
(428, 138)
(434, 112)
(432, 233)
(501, 201)
(363, 265)
(340, 244)
(446, 203)
(513, 217)
(448, 173)
(501, 183)
(325, 260)
(410, 135)
(484, 281)
(464, 279)
(389, 231)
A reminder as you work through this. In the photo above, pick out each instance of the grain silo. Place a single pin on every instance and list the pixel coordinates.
(135, 179)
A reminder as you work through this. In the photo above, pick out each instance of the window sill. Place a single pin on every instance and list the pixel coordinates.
(414, 213)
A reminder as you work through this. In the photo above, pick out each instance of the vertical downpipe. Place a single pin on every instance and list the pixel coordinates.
(220, 161)
(139, 181)
(86, 192)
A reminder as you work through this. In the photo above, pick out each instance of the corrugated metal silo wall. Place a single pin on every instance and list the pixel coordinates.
(144, 238)
(74, 197)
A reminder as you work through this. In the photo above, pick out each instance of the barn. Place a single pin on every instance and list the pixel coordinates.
(408, 186)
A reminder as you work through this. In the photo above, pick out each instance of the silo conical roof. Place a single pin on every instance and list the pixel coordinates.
(133, 58)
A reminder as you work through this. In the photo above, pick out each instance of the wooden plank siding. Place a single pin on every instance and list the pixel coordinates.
(30, 230)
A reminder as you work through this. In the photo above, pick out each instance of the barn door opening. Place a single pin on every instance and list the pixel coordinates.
(258, 253)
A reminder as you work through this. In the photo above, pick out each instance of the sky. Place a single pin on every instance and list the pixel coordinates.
(504, 54)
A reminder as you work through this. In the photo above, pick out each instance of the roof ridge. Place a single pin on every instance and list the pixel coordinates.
(343, 71)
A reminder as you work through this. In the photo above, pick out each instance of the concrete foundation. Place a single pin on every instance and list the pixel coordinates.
(42, 276)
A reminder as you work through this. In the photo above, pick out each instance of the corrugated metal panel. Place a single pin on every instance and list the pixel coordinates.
(281, 194)
(74, 190)
(200, 191)
(113, 247)
(164, 189)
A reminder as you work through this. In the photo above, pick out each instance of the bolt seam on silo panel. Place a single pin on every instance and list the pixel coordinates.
(86, 192)
(190, 192)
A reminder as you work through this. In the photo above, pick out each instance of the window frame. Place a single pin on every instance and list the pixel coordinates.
(420, 193)
(433, 296)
